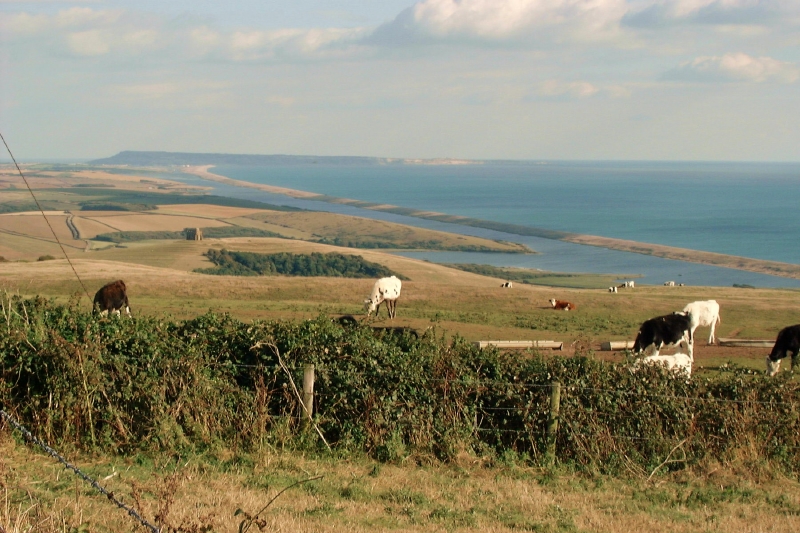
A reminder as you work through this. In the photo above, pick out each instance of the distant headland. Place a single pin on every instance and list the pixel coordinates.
(150, 159)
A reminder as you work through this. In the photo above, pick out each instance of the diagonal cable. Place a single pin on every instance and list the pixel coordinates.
(24, 179)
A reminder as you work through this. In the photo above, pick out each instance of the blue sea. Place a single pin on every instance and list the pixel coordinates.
(745, 209)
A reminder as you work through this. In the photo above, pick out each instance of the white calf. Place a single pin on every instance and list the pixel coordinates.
(705, 313)
(679, 362)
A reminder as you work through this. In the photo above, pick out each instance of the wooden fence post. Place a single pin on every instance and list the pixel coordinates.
(308, 394)
(552, 423)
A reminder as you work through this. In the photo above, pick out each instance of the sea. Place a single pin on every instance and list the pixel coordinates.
(744, 209)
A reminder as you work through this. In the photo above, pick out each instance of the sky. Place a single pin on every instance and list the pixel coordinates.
(709, 80)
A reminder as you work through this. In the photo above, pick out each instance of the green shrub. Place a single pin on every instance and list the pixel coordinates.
(148, 383)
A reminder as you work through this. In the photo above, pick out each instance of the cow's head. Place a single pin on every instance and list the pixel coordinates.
(773, 367)
(552, 302)
(370, 306)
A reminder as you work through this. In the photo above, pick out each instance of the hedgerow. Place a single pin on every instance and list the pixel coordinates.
(157, 384)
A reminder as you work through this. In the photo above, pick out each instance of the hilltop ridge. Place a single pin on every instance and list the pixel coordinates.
(136, 158)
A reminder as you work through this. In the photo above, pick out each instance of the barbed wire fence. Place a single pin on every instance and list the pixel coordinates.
(30, 437)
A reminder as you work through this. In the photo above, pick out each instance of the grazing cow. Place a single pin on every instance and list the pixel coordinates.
(787, 344)
(630, 284)
(705, 313)
(679, 362)
(667, 330)
(506, 285)
(612, 289)
(669, 283)
(347, 321)
(111, 298)
(385, 290)
(562, 304)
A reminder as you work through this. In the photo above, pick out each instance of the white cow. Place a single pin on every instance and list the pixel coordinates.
(506, 285)
(705, 313)
(669, 283)
(385, 290)
(679, 362)
(612, 289)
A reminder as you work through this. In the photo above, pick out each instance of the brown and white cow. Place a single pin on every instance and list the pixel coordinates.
(562, 305)
(111, 298)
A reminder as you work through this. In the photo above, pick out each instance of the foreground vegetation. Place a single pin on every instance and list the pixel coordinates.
(175, 410)
(153, 384)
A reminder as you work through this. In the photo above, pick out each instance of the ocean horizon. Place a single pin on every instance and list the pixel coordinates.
(741, 209)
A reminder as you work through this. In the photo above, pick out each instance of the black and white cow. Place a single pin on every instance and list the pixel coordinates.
(787, 344)
(667, 330)
(111, 298)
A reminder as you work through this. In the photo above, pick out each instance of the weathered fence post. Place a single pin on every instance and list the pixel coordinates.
(308, 394)
(552, 423)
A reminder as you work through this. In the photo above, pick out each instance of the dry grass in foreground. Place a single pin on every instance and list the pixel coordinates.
(203, 493)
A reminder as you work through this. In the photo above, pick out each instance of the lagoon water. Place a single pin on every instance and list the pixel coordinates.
(746, 209)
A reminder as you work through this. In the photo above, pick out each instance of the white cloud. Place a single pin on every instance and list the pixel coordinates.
(573, 89)
(495, 20)
(736, 67)
(740, 12)
(555, 89)
(89, 43)
(291, 43)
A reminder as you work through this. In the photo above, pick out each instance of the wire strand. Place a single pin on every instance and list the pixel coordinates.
(53, 231)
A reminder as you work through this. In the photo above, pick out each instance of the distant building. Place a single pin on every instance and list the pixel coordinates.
(194, 234)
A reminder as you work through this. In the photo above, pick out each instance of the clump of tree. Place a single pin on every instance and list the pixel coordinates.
(116, 206)
(209, 233)
(45, 258)
(288, 264)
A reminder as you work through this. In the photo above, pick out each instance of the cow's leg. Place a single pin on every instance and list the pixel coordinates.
(711, 335)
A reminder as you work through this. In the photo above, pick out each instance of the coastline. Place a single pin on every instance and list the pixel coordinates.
(760, 266)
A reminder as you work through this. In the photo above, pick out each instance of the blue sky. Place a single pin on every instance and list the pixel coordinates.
(478, 79)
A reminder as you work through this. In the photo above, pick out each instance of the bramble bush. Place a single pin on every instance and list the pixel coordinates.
(155, 384)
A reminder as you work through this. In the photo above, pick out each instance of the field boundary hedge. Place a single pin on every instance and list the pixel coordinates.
(157, 384)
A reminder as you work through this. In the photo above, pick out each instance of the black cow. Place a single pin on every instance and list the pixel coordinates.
(787, 343)
(111, 298)
(664, 331)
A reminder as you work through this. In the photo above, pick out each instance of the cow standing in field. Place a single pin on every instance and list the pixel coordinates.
(667, 330)
(385, 290)
(562, 305)
(704, 313)
(111, 298)
(787, 344)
